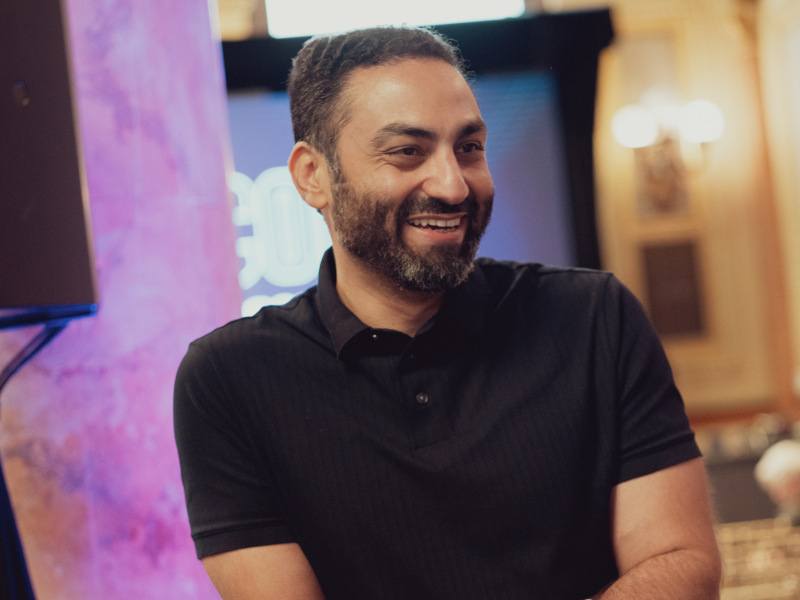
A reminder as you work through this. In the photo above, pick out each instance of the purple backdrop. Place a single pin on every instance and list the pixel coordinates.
(87, 426)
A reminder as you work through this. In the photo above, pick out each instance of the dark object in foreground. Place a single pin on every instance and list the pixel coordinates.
(14, 581)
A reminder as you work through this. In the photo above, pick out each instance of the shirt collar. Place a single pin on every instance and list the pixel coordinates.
(463, 313)
(342, 324)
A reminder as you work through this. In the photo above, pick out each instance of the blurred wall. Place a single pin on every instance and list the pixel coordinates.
(779, 50)
(734, 199)
(86, 432)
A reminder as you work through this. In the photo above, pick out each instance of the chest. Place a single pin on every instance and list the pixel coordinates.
(463, 438)
(490, 464)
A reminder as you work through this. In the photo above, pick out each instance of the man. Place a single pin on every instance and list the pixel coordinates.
(420, 424)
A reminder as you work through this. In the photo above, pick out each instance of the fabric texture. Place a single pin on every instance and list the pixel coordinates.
(475, 460)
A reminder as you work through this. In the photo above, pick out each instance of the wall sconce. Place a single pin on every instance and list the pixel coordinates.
(698, 122)
(667, 141)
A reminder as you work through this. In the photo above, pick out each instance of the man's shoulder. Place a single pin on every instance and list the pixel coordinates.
(271, 324)
(506, 278)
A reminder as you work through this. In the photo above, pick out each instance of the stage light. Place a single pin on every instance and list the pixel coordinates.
(296, 18)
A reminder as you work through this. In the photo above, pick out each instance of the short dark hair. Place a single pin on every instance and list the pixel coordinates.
(321, 68)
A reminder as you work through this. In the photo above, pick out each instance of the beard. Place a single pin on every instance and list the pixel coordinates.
(370, 228)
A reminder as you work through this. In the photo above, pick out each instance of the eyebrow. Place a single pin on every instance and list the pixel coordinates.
(406, 129)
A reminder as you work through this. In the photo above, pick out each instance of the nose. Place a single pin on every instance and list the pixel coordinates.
(445, 180)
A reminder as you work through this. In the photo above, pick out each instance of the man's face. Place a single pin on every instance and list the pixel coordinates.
(412, 194)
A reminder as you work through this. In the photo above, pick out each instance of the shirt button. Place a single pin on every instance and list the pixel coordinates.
(374, 336)
(423, 398)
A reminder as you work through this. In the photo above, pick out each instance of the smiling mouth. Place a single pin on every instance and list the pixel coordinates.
(443, 223)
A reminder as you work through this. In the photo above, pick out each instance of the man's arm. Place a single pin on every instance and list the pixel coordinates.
(276, 572)
(664, 538)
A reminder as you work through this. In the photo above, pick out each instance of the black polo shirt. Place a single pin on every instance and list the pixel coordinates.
(474, 460)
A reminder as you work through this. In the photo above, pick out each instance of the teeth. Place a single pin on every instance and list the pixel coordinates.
(443, 223)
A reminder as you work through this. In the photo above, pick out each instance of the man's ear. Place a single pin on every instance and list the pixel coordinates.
(310, 174)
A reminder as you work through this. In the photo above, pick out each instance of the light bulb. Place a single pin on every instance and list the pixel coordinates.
(701, 121)
(634, 126)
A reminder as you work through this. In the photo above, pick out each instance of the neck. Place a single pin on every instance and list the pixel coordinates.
(378, 302)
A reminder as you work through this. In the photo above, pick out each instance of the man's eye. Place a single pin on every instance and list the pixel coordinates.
(469, 147)
(406, 151)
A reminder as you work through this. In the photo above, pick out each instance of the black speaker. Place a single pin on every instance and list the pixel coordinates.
(46, 260)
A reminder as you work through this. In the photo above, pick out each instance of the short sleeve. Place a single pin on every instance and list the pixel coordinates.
(231, 497)
(654, 431)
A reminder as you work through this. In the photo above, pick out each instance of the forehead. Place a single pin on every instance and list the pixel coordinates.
(428, 93)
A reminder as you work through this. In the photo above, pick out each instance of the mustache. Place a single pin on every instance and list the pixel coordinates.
(431, 205)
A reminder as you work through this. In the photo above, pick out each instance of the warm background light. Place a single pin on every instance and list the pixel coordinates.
(635, 127)
(700, 122)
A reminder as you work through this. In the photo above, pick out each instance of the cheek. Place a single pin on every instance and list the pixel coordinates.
(385, 216)
(479, 179)
(487, 184)
(793, 487)
(785, 491)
